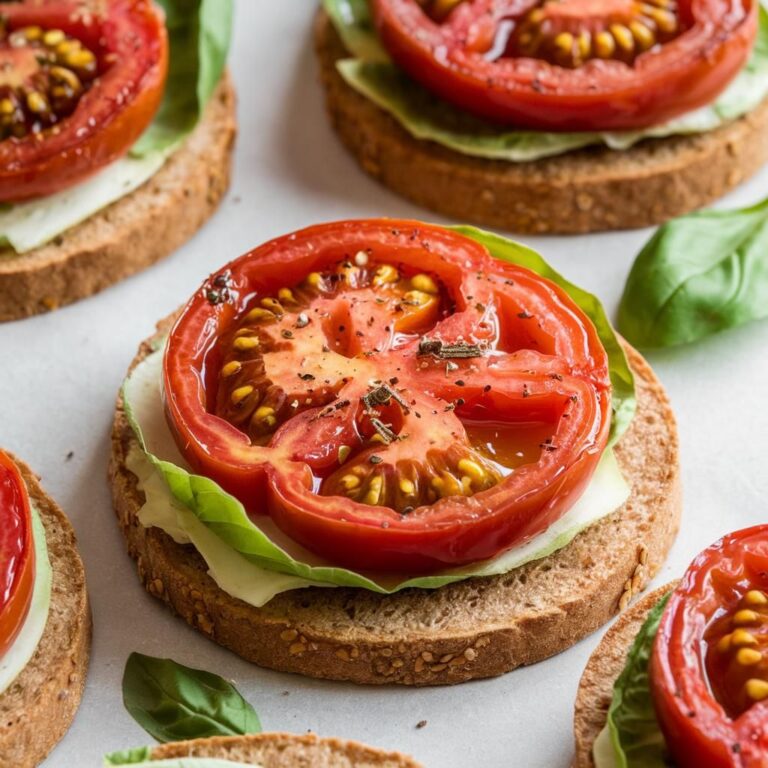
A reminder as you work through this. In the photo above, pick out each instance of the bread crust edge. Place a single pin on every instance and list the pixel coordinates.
(135, 231)
(588, 190)
(54, 679)
(179, 579)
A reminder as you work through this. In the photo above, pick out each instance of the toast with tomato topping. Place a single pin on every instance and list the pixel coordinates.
(682, 679)
(40, 704)
(604, 666)
(134, 232)
(285, 750)
(582, 190)
(473, 629)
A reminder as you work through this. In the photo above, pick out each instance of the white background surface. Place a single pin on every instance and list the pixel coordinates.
(59, 375)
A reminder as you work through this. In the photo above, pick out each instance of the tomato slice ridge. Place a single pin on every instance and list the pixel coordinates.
(17, 555)
(377, 390)
(709, 677)
(571, 65)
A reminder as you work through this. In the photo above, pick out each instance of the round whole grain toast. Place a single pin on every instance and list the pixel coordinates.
(38, 708)
(584, 190)
(135, 231)
(605, 664)
(472, 629)
(286, 750)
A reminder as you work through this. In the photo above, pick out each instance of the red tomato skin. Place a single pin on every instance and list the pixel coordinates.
(98, 132)
(17, 553)
(422, 549)
(697, 731)
(272, 480)
(528, 93)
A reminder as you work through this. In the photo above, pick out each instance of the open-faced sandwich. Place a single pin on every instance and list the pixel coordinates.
(550, 115)
(202, 721)
(45, 622)
(429, 420)
(116, 128)
(681, 679)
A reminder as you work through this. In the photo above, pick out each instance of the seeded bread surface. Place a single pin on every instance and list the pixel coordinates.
(38, 708)
(476, 628)
(285, 750)
(135, 231)
(606, 663)
(586, 190)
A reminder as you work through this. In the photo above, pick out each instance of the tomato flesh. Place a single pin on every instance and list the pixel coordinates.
(17, 553)
(571, 65)
(361, 382)
(79, 83)
(709, 667)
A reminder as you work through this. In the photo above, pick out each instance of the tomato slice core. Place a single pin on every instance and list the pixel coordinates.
(17, 554)
(79, 83)
(571, 65)
(709, 675)
(393, 397)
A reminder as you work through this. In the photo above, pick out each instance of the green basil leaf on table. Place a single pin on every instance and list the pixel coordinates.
(698, 275)
(174, 703)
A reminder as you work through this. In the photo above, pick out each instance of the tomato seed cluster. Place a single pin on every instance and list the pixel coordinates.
(742, 654)
(544, 33)
(43, 74)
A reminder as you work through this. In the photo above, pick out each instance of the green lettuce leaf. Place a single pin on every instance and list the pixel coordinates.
(199, 36)
(172, 702)
(129, 756)
(253, 560)
(370, 72)
(632, 726)
(698, 275)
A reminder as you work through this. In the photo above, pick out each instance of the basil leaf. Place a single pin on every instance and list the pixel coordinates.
(371, 72)
(622, 379)
(128, 756)
(199, 35)
(698, 275)
(635, 733)
(173, 702)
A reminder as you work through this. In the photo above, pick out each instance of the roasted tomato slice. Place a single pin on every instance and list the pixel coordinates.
(17, 553)
(576, 65)
(709, 668)
(391, 395)
(79, 83)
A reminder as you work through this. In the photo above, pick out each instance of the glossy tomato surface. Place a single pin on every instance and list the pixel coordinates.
(79, 83)
(571, 65)
(391, 395)
(17, 553)
(709, 667)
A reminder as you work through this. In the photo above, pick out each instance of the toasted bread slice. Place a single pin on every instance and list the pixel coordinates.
(286, 750)
(584, 190)
(135, 231)
(472, 629)
(38, 708)
(605, 665)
